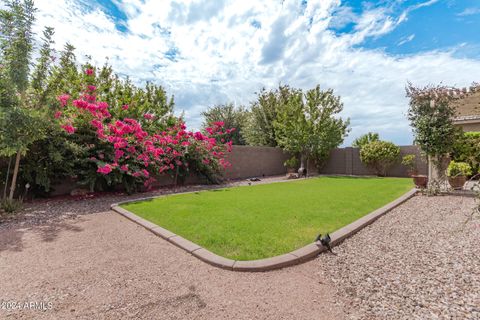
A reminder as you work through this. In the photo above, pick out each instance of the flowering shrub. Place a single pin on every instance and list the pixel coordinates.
(132, 151)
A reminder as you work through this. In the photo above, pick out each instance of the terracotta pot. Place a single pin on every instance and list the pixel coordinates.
(420, 181)
(457, 182)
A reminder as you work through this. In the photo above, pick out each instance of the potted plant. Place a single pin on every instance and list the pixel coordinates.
(291, 164)
(420, 180)
(457, 173)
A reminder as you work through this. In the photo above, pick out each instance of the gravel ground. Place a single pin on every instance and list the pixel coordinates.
(420, 261)
(103, 266)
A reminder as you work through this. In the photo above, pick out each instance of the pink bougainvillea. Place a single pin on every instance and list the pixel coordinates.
(63, 99)
(137, 152)
(68, 128)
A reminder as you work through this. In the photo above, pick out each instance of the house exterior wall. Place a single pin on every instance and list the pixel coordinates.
(469, 127)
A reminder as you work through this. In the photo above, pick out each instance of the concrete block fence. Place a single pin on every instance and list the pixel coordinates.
(248, 161)
(346, 161)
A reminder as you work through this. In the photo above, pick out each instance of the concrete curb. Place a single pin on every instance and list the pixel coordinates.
(301, 255)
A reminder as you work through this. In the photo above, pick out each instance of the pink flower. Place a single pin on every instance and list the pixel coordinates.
(219, 123)
(91, 88)
(68, 128)
(89, 72)
(105, 169)
(124, 167)
(145, 173)
(148, 116)
(96, 123)
(58, 114)
(125, 107)
(198, 136)
(63, 99)
(119, 154)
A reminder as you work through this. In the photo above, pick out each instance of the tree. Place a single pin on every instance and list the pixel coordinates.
(20, 126)
(259, 129)
(42, 71)
(365, 139)
(306, 124)
(431, 112)
(379, 155)
(232, 118)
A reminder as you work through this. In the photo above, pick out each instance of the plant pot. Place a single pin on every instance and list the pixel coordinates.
(457, 182)
(420, 181)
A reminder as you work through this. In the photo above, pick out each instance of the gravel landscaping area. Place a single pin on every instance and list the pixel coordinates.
(420, 261)
(103, 266)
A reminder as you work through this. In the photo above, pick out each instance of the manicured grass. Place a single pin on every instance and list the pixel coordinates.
(254, 222)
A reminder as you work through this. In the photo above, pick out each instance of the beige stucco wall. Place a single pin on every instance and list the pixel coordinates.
(469, 127)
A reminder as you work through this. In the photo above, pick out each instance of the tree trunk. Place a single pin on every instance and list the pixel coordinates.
(15, 174)
(302, 160)
(7, 178)
(308, 169)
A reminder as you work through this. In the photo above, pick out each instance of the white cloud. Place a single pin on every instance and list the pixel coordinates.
(406, 39)
(222, 57)
(469, 12)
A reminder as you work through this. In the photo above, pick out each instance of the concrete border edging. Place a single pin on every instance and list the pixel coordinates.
(300, 255)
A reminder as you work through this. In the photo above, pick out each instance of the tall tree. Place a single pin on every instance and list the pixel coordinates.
(233, 118)
(308, 124)
(260, 130)
(431, 112)
(19, 126)
(42, 70)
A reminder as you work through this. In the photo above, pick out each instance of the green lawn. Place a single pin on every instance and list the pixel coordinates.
(254, 222)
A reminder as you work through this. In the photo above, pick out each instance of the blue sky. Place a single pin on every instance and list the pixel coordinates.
(211, 52)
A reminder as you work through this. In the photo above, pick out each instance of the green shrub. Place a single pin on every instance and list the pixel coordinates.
(291, 163)
(365, 139)
(456, 169)
(10, 205)
(467, 149)
(379, 155)
(409, 162)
